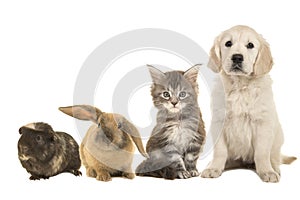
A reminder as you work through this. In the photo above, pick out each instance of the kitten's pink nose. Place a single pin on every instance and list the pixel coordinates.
(174, 102)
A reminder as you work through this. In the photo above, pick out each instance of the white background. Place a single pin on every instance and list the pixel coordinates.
(44, 44)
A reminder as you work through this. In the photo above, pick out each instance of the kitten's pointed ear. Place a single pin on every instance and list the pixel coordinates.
(192, 73)
(156, 75)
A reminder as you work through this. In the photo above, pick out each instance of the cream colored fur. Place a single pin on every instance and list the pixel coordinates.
(245, 125)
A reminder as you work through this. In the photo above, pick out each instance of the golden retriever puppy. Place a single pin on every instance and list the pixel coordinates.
(245, 127)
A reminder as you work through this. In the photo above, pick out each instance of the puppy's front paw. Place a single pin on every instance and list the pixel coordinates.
(271, 177)
(211, 173)
(183, 174)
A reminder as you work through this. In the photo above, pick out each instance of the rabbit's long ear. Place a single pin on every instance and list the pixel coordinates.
(83, 112)
(133, 132)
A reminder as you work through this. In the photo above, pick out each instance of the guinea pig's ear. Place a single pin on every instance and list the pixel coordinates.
(264, 60)
(52, 134)
(133, 132)
(24, 129)
(214, 62)
(83, 112)
(21, 130)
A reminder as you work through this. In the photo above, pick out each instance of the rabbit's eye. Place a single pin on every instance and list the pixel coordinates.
(119, 125)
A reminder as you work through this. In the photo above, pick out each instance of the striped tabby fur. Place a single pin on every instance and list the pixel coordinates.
(177, 139)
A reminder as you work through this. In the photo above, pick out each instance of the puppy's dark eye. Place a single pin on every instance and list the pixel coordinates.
(228, 44)
(166, 95)
(250, 45)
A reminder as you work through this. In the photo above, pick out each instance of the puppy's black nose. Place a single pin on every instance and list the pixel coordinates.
(237, 58)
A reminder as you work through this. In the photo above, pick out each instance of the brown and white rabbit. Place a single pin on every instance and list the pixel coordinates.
(107, 149)
(44, 152)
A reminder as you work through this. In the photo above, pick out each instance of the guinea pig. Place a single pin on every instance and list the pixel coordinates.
(107, 149)
(45, 153)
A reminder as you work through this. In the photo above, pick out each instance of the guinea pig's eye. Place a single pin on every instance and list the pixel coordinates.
(250, 45)
(182, 95)
(228, 44)
(166, 95)
(38, 138)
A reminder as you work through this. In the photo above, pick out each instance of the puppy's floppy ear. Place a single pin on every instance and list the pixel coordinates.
(264, 60)
(214, 62)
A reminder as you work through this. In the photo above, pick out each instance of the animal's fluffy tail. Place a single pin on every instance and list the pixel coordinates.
(287, 159)
(146, 169)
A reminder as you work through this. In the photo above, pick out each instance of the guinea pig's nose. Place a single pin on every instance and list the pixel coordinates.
(24, 149)
(237, 58)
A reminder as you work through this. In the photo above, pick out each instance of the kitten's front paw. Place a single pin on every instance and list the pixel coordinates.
(211, 173)
(183, 174)
(271, 177)
(194, 173)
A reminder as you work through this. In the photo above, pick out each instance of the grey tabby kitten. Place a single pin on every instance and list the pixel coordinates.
(177, 139)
